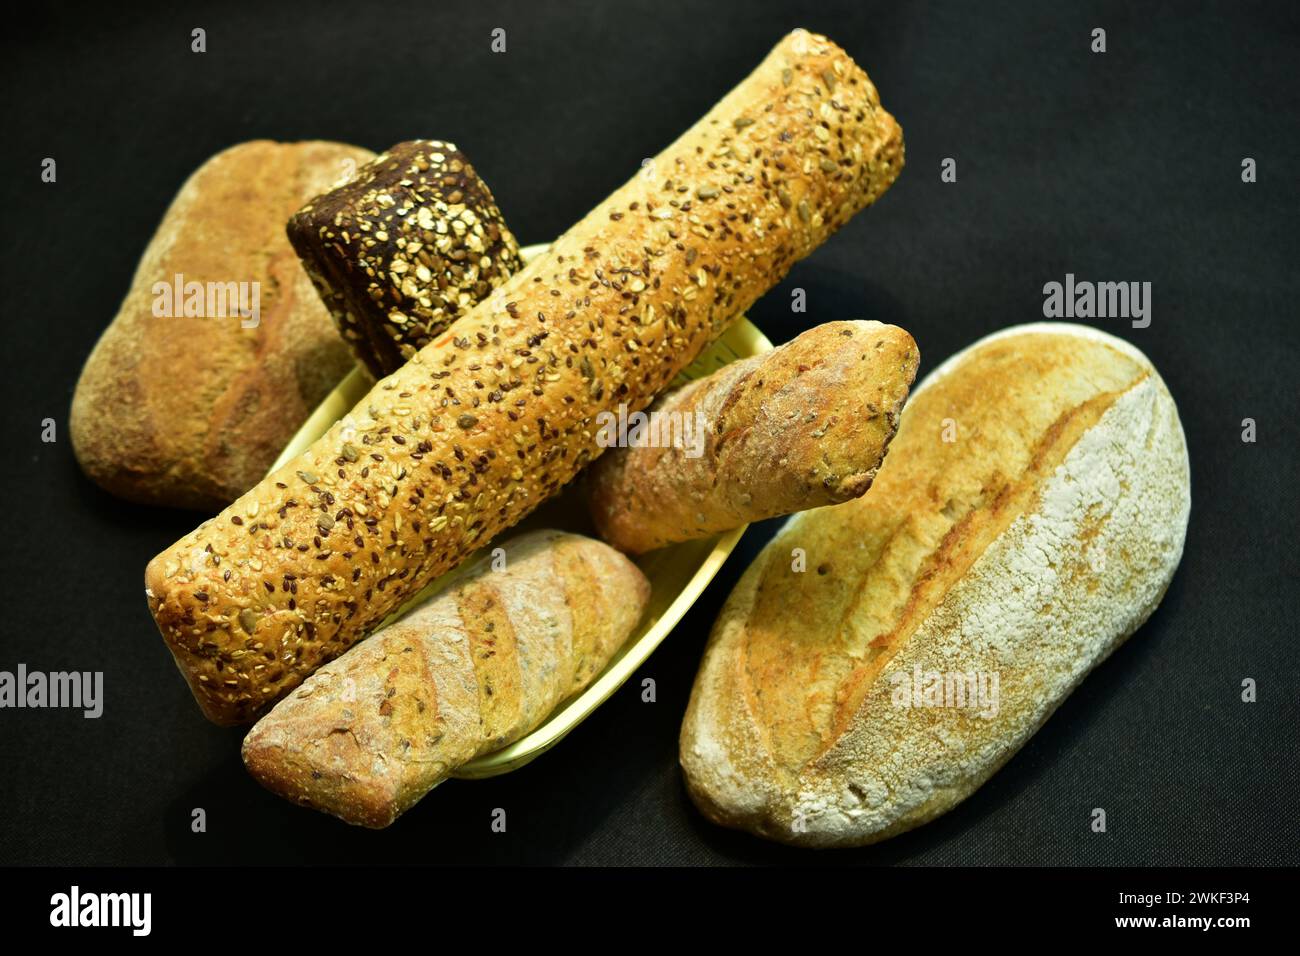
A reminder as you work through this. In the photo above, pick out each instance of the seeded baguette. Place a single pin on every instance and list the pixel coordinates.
(473, 669)
(1028, 519)
(803, 426)
(484, 424)
(190, 412)
(398, 253)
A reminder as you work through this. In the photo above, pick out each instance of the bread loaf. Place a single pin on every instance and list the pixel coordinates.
(802, 426)
(190, 411)
(482, 425)
(466, 673)
(402, 250)
(1028, 519)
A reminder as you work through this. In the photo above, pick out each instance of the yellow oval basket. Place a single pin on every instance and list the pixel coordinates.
(678, 574)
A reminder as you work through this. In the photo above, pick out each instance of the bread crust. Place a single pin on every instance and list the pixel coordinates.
(473, 669)
(1027, 548)
(484, 424)
(802, 426)
(191, 412)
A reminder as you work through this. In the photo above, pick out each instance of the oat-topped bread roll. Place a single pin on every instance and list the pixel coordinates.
(803, 426)
(471, 670)
(404, 249)
(184, 402)
(484, 424)
(1028, 519)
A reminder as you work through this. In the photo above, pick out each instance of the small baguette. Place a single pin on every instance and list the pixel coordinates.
(1029, 518)
(466, 673)
(485, 423)
(803, 426)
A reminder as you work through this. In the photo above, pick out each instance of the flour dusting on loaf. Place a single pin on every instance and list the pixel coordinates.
(1028, 548)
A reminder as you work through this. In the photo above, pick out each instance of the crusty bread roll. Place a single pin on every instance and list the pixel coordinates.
(488, 421)
(469, 671)
(802, 426)
(190, 411)
(1029, 517)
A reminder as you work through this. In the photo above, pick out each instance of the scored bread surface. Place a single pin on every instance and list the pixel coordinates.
(1028, 546)
(496, 415)
(471, 670)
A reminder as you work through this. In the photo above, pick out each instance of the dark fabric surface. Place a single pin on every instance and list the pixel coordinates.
(1120, 166)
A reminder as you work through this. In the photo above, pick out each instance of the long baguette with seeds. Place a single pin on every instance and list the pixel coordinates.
(471, 670)
(800, 427)
(488, 421)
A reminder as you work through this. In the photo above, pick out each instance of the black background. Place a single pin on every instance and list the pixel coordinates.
(1121, 166)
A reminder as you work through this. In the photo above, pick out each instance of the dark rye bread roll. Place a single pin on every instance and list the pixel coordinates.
(802, 426)
(404, 249)
(189, 411)
(496, 415)
(468, 672)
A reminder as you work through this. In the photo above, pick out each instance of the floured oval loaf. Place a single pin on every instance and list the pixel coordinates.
(1028, 518)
